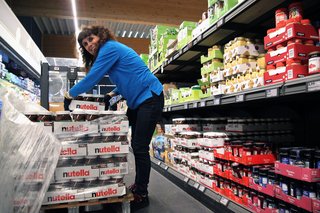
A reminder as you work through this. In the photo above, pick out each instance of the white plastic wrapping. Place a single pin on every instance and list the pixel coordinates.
(28, 157)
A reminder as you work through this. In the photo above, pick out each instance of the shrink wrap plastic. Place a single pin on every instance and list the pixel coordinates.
(28, 157)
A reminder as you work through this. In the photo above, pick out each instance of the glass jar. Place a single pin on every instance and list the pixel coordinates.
(63, 116)
(284, 155)
(107, 137)
(295, 158)
(271, 177)
(32, 116)
(120, 137)
(87, 97)
(242, 59)
(295, 11)
(79, 115)
(45, 117)
(258, 148)
(263, 177)
(92, 115)
(307, 156)
(281, 17)
(98, 98)
(309, 190)
(314, 62)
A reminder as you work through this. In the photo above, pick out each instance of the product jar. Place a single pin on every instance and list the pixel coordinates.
(63, 116)
(281, 17)
(107, 137)
(295, 11)
(284, 155)
(314, 62)
(92, 115)
(79, 115)
(87, 97)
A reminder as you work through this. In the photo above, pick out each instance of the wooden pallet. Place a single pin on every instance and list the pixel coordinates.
(125, 198)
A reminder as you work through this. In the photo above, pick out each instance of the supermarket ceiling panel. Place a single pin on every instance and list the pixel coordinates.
(126, 18)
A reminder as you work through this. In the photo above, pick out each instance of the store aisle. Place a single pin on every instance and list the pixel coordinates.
(166, 197)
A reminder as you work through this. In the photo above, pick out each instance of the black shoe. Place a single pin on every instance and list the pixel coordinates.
(133, 188)
(139, 202)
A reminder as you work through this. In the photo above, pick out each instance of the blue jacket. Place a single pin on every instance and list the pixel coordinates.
(126, 70)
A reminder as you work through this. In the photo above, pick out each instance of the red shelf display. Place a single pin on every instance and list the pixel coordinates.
(268, 190)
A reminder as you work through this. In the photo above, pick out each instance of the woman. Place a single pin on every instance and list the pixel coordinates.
(134, 81)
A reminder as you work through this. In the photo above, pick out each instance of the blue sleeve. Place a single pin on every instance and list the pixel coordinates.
(106, 58)
(115, 90)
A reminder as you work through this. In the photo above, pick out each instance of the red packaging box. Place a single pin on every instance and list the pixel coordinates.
(315, 205)
(225, 156)
(242, 181)
(304, 202)
(268, 190)
(294, 51)
(259, 210)
(298, 173)
(285, 73)
(290, 31)
(218, 172)
(254, 159)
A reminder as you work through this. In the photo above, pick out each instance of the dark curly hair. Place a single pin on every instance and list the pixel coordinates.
(102, 32)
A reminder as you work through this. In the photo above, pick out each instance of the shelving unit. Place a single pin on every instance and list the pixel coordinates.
(296, 98)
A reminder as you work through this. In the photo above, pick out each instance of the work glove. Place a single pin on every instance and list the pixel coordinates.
(107, 101)
(67, 101)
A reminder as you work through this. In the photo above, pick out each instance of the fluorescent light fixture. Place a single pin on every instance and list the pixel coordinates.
(76, 29)
(124, 33)
(142, 35)
(136, 34)
(130, 34)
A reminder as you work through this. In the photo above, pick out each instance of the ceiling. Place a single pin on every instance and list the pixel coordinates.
(126, 18)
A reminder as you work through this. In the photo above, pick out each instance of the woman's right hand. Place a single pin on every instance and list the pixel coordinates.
(107, 98)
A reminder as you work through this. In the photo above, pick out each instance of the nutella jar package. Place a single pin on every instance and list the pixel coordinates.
(33, 116)
(87, 97)
(45, 117)
(79, 115)
(92, 115)
(63, 116)
(98, 98)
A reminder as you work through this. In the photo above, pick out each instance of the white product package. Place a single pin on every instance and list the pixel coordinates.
(28, 157)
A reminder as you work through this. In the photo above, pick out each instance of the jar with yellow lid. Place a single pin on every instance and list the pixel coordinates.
(252, 59)
(215, 47)
(261, 61)
(240, 41)
(249, 41)
(242, 59)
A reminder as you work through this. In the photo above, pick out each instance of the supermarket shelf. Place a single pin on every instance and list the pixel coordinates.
(250, 18)
(9, 84)
(297, 86)
(211, 199)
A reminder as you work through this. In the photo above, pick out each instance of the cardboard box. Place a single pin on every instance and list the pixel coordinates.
(68, 173)
(285, 73)
(288, 32)
(62, 196)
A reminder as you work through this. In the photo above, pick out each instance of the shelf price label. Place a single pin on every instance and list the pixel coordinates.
(196, 185)
(161, 69)
(185, 106)
(216, 101)
(220, 22)
(272, 92)
(159, 163)
(195, 105)
(201, 188)
(224, 201)
(239, 98)
(202, 104)
(169, 109)
(166, 167)
(313, 86)
(186, 179)
(164, 109)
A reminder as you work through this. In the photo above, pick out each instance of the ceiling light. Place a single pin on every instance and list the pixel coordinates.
(136, 34)
(124, 33)
(142, 35)
(130, 34)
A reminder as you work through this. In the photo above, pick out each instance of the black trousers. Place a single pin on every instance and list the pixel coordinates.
(143, 121)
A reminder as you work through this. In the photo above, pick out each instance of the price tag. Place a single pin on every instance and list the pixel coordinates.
(239, 98)
(195, 105)
(220, 22)
(196, 185)
(216, 101)
(202, 104)
(201, 188)
(185, 106)
(224, 201)
(186, 179)
(272, 92)
(169, 109)
(56, 68)
(313, 86)
(199, 38)
(164, 109)
(161, 69)
(159, 163)
(166, 167)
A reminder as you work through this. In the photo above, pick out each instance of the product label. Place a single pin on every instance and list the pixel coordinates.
(70, 150)
(122, 126)
(314, 65)
(75, 127)
(85, 105)
(122, 169)
(107, 148)
(66, 196)
(102, 192)
(68, 173)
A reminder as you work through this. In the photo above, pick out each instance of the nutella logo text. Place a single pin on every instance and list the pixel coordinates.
(104, 193)
(111, 129)
(110, 172)
(79, 128)
(112, 148)
(80, 173)
(35, 176)
(61, 197)
(68, 151)
(86, 106)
